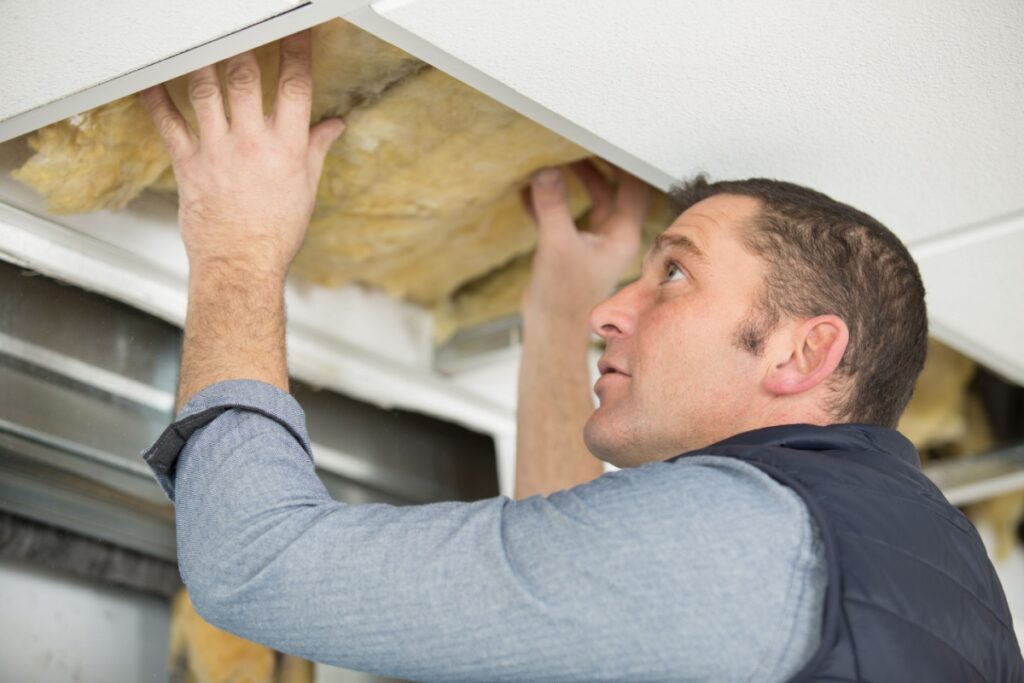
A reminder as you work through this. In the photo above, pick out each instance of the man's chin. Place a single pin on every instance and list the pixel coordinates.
(604, 443)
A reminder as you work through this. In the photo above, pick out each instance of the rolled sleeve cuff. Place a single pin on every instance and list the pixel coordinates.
(209, 404)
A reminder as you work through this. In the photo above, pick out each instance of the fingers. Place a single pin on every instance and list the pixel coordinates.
(551, 203)
(626, 222)
(621, 210)
(180, 141)
(204, 94)
(295, 86)
(596, 186)
(245, 96)
(321, 137)
(632, 196)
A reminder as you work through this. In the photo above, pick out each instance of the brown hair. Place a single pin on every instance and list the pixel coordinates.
(826, 257)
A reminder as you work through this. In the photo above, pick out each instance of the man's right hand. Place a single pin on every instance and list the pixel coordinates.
(246, 182)
(575, 270)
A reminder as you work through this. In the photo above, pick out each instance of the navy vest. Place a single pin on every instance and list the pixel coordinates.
(912, 595)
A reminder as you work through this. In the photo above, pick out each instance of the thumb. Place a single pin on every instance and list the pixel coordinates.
(321, 137)
(550, 199)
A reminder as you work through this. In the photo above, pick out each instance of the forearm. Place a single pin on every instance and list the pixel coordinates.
(554, 403)
(234, 328)
(572, 272)
(246, 190)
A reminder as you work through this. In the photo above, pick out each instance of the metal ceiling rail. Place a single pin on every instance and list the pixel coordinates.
(976, 478)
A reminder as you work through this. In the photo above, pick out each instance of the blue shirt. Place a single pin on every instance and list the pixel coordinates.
(703, 569)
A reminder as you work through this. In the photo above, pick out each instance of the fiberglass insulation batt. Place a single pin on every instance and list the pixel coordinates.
(419, 196)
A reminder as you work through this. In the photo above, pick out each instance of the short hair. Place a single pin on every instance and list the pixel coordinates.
(826, 257)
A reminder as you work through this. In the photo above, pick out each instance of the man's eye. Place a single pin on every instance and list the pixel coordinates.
(674, 272)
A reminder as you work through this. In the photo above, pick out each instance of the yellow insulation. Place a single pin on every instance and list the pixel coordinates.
(419, 197)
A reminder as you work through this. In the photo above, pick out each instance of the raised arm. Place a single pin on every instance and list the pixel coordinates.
(246, 188)
(572, 272)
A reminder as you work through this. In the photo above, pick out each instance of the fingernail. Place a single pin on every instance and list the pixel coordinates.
(547, 176)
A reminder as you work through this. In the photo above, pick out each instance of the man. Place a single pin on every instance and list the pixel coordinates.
(779, 548)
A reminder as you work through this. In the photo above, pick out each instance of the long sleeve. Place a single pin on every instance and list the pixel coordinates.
(662, 572)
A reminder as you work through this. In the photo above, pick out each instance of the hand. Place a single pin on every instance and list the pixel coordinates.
(246, 185)
(574, 270)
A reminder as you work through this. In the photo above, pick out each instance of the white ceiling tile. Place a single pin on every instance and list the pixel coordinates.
(52, 48)
(908, 110)
(975, 286)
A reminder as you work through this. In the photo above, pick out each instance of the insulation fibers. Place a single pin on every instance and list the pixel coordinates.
(419, 196)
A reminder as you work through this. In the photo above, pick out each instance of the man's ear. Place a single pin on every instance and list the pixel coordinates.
(809, 354)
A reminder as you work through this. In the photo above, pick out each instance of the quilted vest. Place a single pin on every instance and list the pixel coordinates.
(912, 595)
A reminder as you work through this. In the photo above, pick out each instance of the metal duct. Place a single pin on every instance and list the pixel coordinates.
(86, 383)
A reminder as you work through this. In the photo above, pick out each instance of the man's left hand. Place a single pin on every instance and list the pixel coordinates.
(246, 184)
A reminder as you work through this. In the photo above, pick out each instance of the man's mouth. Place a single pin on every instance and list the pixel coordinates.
(606, 368)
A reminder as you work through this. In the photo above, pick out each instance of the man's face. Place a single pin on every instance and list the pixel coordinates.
(674, 376)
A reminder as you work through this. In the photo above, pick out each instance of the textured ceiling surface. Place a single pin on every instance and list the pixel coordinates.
(420, 197)
(106, 38)
(912, 111)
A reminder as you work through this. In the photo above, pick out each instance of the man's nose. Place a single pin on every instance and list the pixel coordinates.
(616, 315)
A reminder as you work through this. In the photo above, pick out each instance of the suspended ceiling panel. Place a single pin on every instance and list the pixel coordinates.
(911, 111)
(975, 285)
(59, 58)
(106, 39)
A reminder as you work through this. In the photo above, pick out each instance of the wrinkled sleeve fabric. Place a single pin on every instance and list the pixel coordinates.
(658, 573)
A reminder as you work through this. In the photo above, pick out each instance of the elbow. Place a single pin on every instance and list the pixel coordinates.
(204, 606)
(236, 573)
(223, 605)
(213, 573)
(207, 591)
